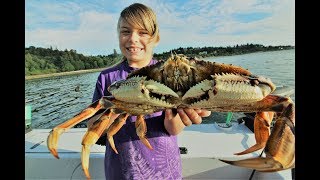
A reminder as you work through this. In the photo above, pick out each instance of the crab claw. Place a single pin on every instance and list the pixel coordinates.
(91, 137)
(199, 89)
(141, 129)
(228, 89)
(52, 140)
(280, 147)
(141, 91)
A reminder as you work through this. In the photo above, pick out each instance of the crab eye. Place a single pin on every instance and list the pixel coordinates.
(115, 85)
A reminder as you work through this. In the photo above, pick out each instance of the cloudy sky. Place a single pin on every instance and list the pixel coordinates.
(89, 27)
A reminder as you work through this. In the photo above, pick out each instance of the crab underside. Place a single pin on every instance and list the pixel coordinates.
(185, 82)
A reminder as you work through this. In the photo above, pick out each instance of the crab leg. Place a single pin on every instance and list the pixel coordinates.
(52, 140)
(91, 137)
(114, 128)
(141, 129)
(280, 146)
(262, 123)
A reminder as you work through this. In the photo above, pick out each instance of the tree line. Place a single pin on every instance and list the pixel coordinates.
(40, 60)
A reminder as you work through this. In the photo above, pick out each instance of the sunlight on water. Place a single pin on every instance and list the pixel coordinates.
(54, 100)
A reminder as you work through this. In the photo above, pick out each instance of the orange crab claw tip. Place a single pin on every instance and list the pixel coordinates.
(260, 164)
(113, 146)
(146, 143)
(56, 156)
(86, 172)
(85, 160)
(52, 141)
(115, 150)
(54, 153)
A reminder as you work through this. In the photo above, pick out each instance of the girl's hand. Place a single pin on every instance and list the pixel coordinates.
(174, 124)
(192, 116)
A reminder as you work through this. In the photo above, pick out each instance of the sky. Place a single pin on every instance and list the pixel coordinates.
(89, 27)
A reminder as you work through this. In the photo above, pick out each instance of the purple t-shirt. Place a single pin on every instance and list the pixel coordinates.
(135, 160)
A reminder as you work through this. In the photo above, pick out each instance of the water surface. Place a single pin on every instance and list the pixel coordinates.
(54, 100)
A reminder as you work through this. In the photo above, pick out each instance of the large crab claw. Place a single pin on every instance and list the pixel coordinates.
(139, 90)
(279, 148)
(226, 90)
(141, 96)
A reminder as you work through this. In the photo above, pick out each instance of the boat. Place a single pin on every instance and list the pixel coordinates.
(201, 147)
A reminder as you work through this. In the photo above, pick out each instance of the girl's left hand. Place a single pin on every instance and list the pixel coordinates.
(175, 123)
(192, 116)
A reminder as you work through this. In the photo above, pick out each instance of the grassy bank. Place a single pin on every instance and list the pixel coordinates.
(62, 74)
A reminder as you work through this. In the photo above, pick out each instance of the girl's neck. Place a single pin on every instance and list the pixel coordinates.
(139, 64)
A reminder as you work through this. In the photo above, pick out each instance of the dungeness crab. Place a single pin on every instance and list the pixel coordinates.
(182, 81)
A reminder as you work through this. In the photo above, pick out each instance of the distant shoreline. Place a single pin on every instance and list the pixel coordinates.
(30, 77)
(63, 73)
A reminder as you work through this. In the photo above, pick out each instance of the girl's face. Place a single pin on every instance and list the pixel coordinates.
(135, 43)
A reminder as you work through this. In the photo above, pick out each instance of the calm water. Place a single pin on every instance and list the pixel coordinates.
(54, 100)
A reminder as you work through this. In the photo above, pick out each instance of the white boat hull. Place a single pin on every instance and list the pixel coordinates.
(205, 144)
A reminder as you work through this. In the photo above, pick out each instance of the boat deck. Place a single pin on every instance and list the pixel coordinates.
(205, 143)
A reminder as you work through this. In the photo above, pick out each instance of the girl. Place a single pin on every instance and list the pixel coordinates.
(138, 33)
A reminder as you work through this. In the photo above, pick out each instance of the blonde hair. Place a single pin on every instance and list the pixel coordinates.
(141, 16)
